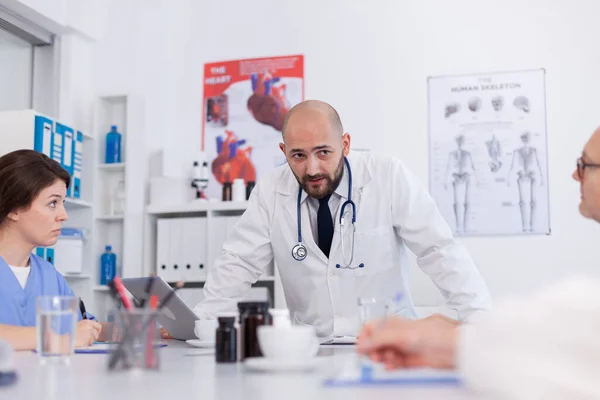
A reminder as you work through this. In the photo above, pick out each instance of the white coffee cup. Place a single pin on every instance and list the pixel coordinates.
(292, 343)
(205, 329)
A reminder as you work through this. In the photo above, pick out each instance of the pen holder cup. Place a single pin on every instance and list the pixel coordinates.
(137, 329)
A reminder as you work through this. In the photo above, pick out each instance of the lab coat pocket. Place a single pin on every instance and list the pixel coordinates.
(373, 248)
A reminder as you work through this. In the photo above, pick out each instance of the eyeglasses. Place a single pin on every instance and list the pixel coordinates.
(581, 165)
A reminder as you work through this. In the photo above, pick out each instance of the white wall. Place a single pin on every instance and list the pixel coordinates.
(373, 58)
(86, 17)
(15, 75)
(76, 74)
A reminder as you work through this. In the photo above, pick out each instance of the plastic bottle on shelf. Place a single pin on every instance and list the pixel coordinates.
(108, 266)
(113, 146)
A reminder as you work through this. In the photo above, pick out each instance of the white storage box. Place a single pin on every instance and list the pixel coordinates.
(68, 251)
(170, 191)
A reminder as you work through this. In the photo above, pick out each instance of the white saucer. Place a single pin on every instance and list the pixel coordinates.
(203, 344)
(276, 365)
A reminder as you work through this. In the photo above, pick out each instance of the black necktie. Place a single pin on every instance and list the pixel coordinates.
(325, 225)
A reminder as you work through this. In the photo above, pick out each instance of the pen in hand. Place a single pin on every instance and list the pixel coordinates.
(82, 309)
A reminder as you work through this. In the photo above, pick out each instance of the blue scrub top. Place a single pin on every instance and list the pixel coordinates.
(17, 304)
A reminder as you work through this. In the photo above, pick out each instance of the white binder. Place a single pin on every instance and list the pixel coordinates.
(162, 248)
(197, 244)
(176, 249)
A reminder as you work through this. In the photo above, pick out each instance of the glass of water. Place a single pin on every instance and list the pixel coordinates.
(372, 308)
(56, 320)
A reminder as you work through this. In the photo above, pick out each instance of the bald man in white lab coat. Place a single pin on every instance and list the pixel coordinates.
(543, 346)
(302, 217)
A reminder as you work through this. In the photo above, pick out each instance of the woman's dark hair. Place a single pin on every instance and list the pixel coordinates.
(23, 175)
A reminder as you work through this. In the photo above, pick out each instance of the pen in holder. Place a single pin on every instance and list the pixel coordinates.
(137, 329)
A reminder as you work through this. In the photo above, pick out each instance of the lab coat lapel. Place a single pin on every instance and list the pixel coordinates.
(360, 177)
(291, 206)
(307, 236)
(335, 244)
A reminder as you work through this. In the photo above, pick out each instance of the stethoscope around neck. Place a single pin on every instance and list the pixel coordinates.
(299, 251)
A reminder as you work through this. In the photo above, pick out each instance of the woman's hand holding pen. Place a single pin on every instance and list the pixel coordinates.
(164, 334)
(87, 332)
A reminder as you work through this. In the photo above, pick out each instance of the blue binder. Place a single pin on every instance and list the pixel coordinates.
(50, 255)
(57, 145)
(47, 253)
(43, 135)
(66, 150)
(40, 252)
(75, 189)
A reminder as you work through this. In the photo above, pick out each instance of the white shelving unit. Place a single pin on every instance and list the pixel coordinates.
(110, 110)
(118, 167)
(101, 289)
(210, 210)
(197, 207)
(77, 276)
(121, 231)
(111, 218)
(77, 203)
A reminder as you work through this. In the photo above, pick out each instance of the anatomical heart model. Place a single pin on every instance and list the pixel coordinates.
(233, 160)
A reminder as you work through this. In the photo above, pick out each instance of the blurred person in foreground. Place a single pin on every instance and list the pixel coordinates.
(544, 345)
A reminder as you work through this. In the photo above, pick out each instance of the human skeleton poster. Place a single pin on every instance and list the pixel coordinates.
(488, 152)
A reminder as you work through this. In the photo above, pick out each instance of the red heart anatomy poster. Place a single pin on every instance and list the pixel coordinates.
(244, 105)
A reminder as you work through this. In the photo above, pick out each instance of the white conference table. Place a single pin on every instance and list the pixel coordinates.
(184, 374)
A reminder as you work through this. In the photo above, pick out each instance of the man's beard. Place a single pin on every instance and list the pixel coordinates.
(330, 184)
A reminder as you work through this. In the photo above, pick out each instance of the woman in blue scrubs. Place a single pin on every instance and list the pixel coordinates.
(33, 188)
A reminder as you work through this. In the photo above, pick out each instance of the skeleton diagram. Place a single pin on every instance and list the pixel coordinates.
(462, 170)
(525, 158)
(494, 150)
(498, 103)
(451, 109)
(475, 104)
(522, 103)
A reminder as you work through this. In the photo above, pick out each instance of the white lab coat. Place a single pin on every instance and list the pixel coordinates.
(542, 346)
(394, 211)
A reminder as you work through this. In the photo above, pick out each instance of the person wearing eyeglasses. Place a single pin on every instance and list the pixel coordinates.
(339, 224)
(541, 346)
